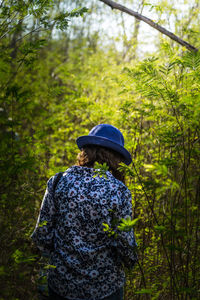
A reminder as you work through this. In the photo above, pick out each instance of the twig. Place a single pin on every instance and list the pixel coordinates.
(2, 3)
(149, 22)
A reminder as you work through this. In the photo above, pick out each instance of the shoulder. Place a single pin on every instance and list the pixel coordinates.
(65, 173)
(53, 180)
(119, 184)
(120, 188)
(69, 175)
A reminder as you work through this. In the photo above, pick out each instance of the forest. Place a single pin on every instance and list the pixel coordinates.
(66, 66)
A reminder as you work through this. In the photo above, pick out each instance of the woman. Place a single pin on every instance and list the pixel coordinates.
(88, 264)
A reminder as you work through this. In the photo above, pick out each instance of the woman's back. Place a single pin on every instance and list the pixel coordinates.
(87, 267)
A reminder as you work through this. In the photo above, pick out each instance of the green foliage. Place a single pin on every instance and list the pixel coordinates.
(118, 225)
(62, 20)
(26, 87)
(44, 223)
(109, 230)
(100, 170)
(127, 224)
(49, 267)
(144, 291)
(165, 180)
(55, 88)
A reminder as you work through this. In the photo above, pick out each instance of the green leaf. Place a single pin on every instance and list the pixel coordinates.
(144, 291)
(160, 228)
(127, 224)
(100, 170)
(43, 223)
(47, 267)
(106, 227)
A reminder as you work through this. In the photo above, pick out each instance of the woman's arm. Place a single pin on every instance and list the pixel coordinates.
(124, 242)
(43, 234)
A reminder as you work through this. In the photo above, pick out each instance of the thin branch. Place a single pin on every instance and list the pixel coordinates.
(2, 3)
(140, 17)
(37, 29)
(5, 23)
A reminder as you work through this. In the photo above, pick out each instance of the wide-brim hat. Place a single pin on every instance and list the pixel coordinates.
(107, 136)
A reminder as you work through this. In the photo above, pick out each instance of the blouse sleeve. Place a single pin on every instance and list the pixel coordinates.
(125, 244)
(43, 234)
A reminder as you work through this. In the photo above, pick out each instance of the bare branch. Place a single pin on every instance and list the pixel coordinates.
(140, 17)
(2, 3)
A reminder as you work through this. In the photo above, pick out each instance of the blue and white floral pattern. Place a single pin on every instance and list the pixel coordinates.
(88, 263)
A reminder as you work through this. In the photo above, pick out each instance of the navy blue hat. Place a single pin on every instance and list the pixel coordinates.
(107, 136)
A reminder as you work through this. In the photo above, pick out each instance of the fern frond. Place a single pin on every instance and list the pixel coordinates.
(192, 60)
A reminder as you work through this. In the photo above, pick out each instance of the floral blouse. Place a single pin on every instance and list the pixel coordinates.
(88, 263)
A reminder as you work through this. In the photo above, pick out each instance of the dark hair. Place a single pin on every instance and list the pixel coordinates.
(91, 153)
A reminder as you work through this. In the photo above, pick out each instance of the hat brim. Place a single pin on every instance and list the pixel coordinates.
(104, 142)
